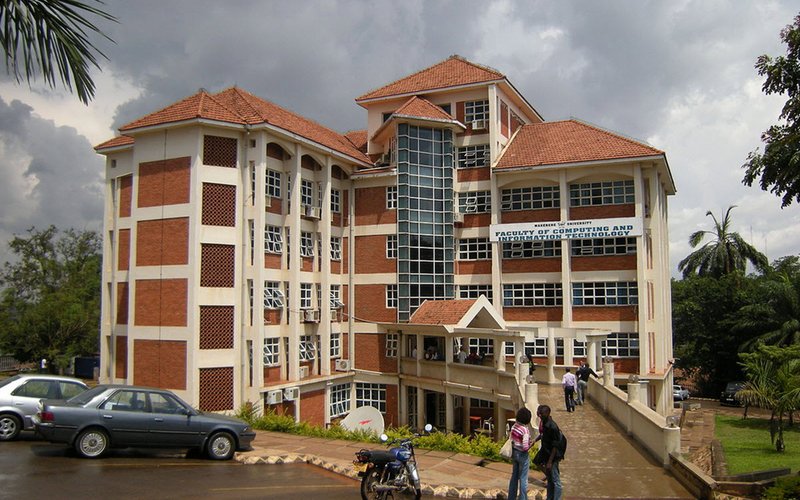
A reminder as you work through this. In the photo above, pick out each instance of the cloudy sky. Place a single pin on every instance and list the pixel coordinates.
(677, 74)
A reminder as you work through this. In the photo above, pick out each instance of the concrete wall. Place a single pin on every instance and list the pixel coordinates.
(645, 425)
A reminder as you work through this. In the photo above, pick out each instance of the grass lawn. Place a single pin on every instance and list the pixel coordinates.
(748, 447)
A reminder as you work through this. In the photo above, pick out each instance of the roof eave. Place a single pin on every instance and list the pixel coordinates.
(370, 100)
(522, 98)
(182, 123)
(300, 138)
(113, 149)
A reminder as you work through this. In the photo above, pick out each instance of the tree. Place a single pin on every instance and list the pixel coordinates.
(52, 36)
(726, 253)
(778, 169)
(774, 319)
(773, 382)
(50, 298)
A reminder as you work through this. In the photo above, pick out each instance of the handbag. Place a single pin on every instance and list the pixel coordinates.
(507, 449)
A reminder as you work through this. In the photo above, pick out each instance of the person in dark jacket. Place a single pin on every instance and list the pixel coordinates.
(549, 455)
(583, 380)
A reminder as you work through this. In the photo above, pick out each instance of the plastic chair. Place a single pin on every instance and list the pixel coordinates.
(488, 425)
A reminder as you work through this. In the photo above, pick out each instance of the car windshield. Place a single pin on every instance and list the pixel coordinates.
(87, 396)
(734, 386)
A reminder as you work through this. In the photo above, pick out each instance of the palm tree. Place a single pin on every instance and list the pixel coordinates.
(726, 253)
(49, 37)
(773, 375)
(775, 320)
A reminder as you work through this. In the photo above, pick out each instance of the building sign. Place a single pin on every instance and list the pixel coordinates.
(568, 230)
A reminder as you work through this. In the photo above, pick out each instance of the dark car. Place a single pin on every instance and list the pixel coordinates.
(728, 396)
(117, 416)
(20, 395)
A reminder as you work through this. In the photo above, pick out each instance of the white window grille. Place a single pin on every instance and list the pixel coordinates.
(603, 246)
(578, 348)
(340, 400)
(530, 198)
(336, 201)
(621, 345)
(483, 346)
(605, 293)
(474, 291)
(391, 246)
(307, 193)
(371, 395)
(536, 347)
(273, 296)
(273, 184)
(272, 351)
(391, 296)
(474, 249)
(273, 240)
(473, 156)
(476, 111)
(391, 345)
(532, 295)
(475, 202)
(335, 297)
(336, 345)
(391, 197)
(336, 248)
(601, 193)
(306, 244)
(305, 295)
(308, 348)
(531, 249)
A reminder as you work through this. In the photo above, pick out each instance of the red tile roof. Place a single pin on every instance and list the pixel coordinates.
(452, 72)
(122, 140)
(418, 107)
(237, 106)
(358, 138)
(570, 141)
(441, 312)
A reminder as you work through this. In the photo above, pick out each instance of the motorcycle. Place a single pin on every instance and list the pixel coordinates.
(389, 474)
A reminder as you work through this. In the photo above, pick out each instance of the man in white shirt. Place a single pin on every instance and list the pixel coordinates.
(569, 382)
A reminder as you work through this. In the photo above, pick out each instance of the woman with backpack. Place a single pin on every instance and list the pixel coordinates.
(520, 459)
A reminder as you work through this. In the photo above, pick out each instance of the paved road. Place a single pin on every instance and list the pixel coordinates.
(35, 469)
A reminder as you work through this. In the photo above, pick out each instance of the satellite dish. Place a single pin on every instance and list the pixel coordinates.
(364, 418)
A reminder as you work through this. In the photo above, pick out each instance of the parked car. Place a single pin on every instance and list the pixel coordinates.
(728, 396)
(122, 416)
(679, 393)
(20, 395)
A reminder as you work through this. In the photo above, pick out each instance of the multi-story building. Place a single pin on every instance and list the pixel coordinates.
(253, 255)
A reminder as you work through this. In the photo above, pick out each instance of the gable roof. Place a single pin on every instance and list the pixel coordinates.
(569, 141)
(441, 312)
(358, 138)
(417, 107)
(239, 107)
(452, 72)
(120, 140)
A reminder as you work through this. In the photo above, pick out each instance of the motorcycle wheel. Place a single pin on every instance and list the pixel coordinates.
(368, 482)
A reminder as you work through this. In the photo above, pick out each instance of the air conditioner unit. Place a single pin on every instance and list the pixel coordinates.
(311, 316)
(342, 365)
(274, 397)
(458, 217)
(267, 201)
(291, 393)
(478, 125)
(386, 159)
(304, 371)
(312, 211)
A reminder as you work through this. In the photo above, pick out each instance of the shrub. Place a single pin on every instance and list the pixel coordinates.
(786, 488)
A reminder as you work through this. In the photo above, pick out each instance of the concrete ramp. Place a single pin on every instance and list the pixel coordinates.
(602, 461)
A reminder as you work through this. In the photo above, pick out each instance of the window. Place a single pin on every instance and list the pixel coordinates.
(272, 351)
(475, 202)
(474, 249)
(603, 246)
(371, 395)
(336, 345)
(273, 296)
(308, 349)
(336, 248)
(306, 244)
(509, 348)
(531, 249)
(476, 111)
(251, 299)
(336, 201)
(391, 197)
(578, 348)
(536, 347)
(391, 246)
(480, 403)
(474, 291)
(605, 293)
(305, 295)
(484, 346)
(340, 400)
(273, 186)
(532, 295)
(391, 296)
(273, 240)
(473, 156)
(251, 196)
(445, 108)
(251, 230)
(391, 345)
(621, 345)
(307, 193)
(335, 297)
(125, 400)
(601, 193)
(530, 198)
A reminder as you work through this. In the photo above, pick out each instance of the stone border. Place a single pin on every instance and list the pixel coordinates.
(427, 489)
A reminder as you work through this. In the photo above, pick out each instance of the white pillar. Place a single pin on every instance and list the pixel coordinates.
(551, 356)
(532, 397)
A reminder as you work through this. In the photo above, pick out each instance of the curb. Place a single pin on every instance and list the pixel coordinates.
(427, 489)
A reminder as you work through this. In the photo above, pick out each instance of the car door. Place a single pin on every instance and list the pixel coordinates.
(173, 423)
(125, 416)
(25, 398)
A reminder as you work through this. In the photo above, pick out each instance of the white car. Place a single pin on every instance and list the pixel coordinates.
(20, 395)
(679, 393)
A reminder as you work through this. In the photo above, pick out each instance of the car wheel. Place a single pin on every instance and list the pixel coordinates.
(10, 427)
(221, 446)
(92, 443)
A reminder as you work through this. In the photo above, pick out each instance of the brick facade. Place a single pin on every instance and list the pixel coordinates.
(371, 304)
(160, 363)
(164, 182)
(371, 207)
(162, 242)
(312, 407)
(124, 252)
(161, 302)
(370, 255)
(371, 353)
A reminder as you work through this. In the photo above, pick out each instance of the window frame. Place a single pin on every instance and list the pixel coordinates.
(475, 111)
(540, 295)
(368, 393)
(605, 293)
(273, 239)
(601, 193)
(391, 197)
(273, 295)
(339, 399)
(474, 249)
(270, 356)
(391, 297)
(392, 341)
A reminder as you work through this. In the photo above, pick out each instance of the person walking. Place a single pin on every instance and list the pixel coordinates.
(583, 380)
(550, 453)
(568, 382)
(520, 459)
